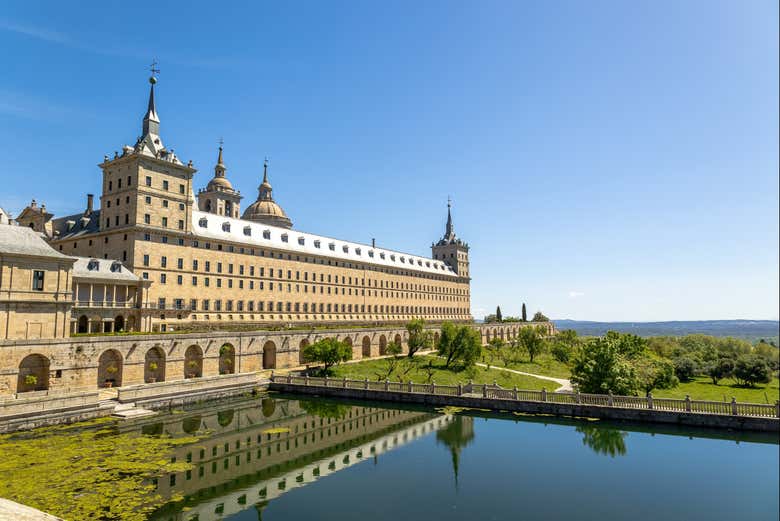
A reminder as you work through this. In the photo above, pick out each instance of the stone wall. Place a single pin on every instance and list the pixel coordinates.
(87, 363)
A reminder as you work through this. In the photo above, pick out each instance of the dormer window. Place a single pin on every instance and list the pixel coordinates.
(285, 237)
(371, 253)
(357, 250)
(301, 241)
(332, 246)
(203, 222)
(392, 258)
(316, 244)
(248, 231)
(116, 266)
(266, 234)
(382, 255)
(427, 264)
(225, 227)
(345, 248)
(93, 265)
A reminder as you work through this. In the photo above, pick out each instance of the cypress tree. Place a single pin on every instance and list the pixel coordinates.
(499, 318)
(525, 317)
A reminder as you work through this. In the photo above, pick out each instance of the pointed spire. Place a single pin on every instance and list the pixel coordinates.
(220, 168)
(265, 190)
(449, 232)
(265, 171)
(151, 120)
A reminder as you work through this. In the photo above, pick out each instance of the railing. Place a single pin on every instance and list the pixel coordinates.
(496, 392)
(103, 304)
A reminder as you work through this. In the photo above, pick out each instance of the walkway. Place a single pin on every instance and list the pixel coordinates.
(563, 383)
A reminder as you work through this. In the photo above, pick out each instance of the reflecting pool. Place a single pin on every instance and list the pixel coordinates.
(278, 457)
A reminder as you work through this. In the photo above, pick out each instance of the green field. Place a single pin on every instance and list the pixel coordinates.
(702, 388)
(543, 364)
(371, 368)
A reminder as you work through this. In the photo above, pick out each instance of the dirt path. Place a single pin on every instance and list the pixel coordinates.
(564, 385)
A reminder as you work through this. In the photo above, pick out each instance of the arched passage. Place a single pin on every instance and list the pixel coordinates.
(398, 341)
(366, 353)
(269, 355)
(110, 369)
(227, 359)
(119, 323)
(487, 336)
(382, 345)
(83, 324)
(301, 358)
(154, 365)
(33, 374)
(193, 362)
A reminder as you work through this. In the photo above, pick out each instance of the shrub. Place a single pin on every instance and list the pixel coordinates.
(539, 317)
(561, 352)
(723, 368)
(601, 368)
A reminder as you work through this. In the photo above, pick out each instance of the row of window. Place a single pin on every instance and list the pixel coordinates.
(301, 307)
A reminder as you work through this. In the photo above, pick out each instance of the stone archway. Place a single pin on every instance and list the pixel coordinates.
(398, 341)
(83, 324)
(269, 355)
(193, 362)
(366, 353)
(33, 374)
(227, 359)
(487, 336)
(154, 365)
(303, 345)
(110, 369)
(119, 323)
(382, 345)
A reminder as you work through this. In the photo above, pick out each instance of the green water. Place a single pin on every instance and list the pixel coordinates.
(282, 458)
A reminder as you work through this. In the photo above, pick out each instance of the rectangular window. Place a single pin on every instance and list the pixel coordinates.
(165, 222)
(163, 278)
(165, 185)
(180, 264)
(181, 189)
(148, 199)
(147, 218)
(208, 266)
(146, 260)
(37, 281)
(148, 180)
(163, 261)
(194, 265)
(165, 203)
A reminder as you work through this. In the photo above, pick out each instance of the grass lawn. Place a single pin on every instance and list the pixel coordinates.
(543, 364)
(702, 388)
(370, 368)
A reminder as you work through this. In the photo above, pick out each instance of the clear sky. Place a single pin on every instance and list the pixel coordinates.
(606, 160)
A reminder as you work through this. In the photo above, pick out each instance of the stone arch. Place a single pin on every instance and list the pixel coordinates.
(33, 374)
(227, 359)
(303, 345)
(398, 340)
(119, 323)
(154, 365)
(501, 332)
(109, 369)
(487, 336)
(269, 355)
(225, 418)
(191, 424)
(82, 326)
(382, 345)
(366, 353)
(193, 362)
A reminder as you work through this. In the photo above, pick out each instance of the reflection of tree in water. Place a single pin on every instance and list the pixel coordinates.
(455, 436)
(325, 409)
(604, 440)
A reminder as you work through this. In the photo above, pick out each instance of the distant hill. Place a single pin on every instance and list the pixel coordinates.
(751, 330)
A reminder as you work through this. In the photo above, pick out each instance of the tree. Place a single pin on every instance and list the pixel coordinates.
(499, 317)
(531, 340)
(654, 373)
(419, 338)
(600, 367)
(750, 370)
(564, 344)
(393, 349)
(328, 352)
(524, 315)
(685, 368)
(539, 317)
(489, 319)
(723, 368)
(459, 344)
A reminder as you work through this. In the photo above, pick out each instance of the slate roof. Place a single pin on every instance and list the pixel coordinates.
(107, 269)
(81, 225)
(21, 240)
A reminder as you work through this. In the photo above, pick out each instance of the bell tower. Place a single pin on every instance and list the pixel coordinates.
(452, 250)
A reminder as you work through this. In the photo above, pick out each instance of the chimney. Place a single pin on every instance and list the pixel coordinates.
(90, 199)
(373, 242)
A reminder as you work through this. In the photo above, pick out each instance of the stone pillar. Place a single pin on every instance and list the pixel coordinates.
(733, 405)
(90, 295)
(544, 394)
(610, 400)
(649, 400)
(688, 402)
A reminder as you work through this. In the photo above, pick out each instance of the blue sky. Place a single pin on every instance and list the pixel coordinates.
(607, 160)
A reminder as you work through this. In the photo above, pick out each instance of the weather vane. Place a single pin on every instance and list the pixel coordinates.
(221, 142)
(153, 67)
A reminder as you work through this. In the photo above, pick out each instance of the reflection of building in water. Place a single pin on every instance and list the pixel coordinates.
(256, 454)
(455, 436)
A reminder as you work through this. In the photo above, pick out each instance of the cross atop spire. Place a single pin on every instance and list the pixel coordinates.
(219, 169)
(153, 67)
(151, 120)
(265, 171)
(449, 232)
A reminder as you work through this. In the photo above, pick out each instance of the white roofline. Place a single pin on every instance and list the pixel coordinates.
(392, 259)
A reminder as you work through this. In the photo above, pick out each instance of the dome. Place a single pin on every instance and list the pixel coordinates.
(219, 183)
(267, 212)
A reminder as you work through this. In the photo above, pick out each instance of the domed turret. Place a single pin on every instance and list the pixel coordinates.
(265, 210)
(220, 197)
